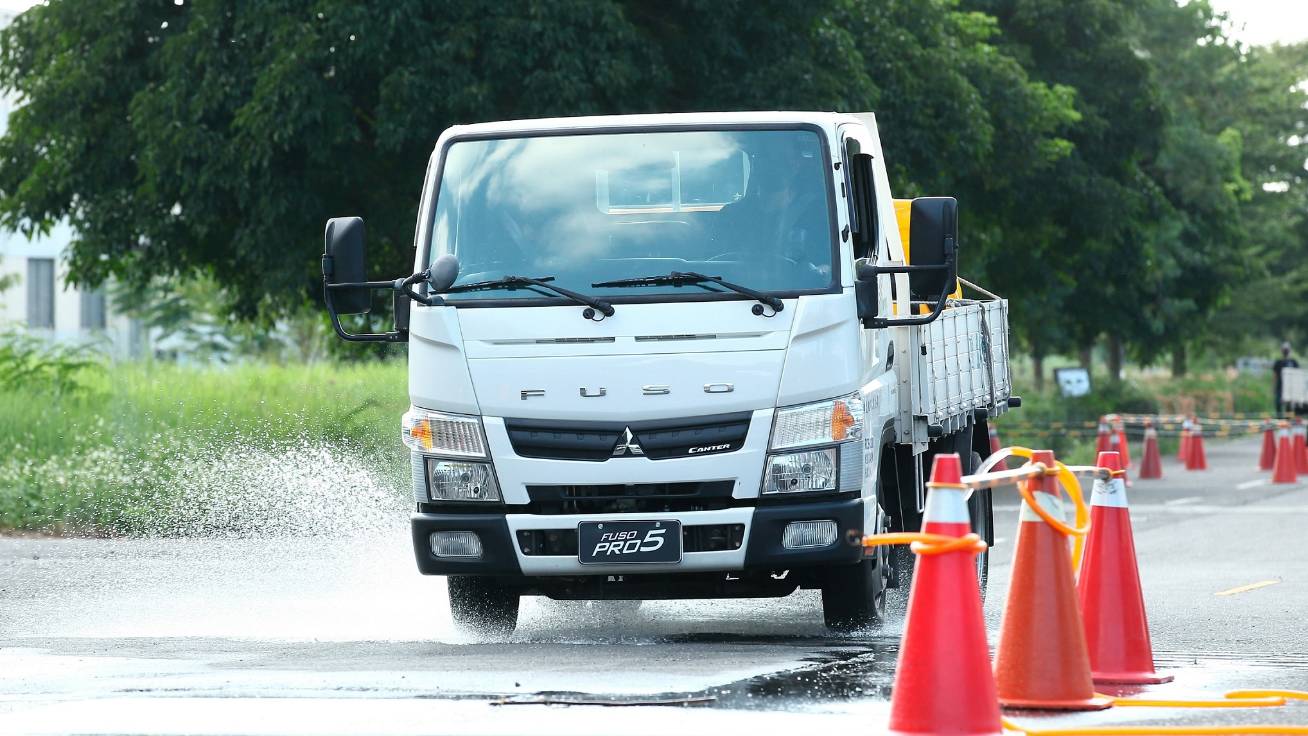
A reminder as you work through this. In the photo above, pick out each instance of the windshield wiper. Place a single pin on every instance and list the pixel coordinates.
(543, 282)
(688, 278)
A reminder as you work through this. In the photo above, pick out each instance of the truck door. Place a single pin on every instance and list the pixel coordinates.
(868, 239)
(866, 234)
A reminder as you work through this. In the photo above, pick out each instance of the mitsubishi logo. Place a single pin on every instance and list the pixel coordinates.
(627, 445)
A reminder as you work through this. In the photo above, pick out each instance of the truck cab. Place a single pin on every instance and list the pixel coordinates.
(676, 356)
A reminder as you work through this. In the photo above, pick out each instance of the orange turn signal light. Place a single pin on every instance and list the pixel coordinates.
(421, 431)
(841, 421)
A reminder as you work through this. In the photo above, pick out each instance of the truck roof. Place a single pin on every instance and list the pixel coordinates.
(823, 119)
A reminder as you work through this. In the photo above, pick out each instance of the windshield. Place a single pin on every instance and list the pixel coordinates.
(749, 206)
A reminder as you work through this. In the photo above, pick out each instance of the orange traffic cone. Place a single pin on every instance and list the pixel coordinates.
(1116, 445)
(1041, 661)
(1151, 466)
(1183, 450)
(1196, 458)
(1125, 447)
(943, 684)
(1267, 458)
(1112, 604)
(1102, 441)
(993, 436)
(1285, 470)
(1300, 447)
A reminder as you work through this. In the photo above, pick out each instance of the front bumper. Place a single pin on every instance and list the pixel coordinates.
(761, 551)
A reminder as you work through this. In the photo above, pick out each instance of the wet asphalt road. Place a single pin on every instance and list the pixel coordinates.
(339, 634)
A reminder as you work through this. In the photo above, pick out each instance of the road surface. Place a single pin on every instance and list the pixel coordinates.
(339, 634)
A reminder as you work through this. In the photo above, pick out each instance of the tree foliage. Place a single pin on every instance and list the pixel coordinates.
(1125, 168)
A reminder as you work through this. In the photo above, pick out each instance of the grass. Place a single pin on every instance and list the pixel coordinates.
(164, 449)
(160, 447)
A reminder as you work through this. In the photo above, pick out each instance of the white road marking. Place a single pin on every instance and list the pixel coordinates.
(1183, 501)
(1254, 510)
(1250, 484)
(1247, 588)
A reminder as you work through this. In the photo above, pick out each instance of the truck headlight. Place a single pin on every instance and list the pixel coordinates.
(797, 472)
(438, 433)
(455, 480)
(833, 429)
(820, 423)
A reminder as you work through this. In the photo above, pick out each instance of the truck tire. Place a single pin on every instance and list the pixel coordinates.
(483, 605)
(854, 596)
(980, 508)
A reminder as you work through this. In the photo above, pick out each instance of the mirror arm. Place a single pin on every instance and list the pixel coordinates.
(393, 336)
(365, 285)
(940, 302)
(404, 286)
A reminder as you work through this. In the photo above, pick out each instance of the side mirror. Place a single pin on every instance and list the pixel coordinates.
(443, 273)
(865, 291)
(343, 262)
(933, 241)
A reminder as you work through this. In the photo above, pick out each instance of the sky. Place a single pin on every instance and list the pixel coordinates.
(1260, 22)
(1257, 22)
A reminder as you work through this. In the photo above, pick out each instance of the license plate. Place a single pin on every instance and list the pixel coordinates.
(620, 542)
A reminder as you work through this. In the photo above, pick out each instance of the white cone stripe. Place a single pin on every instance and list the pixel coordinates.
(1049, 502)
(946, 506)
(1109, 493)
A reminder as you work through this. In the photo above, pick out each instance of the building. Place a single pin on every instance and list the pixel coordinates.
(41, 301)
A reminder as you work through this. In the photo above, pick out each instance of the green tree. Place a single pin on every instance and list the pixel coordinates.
(1159, 216)
(214, 139)
(1095, 202)
(1194, 233)
(1266, 303)
(1124, 168)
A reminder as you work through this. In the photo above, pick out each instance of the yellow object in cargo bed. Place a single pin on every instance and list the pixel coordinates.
(903, 217)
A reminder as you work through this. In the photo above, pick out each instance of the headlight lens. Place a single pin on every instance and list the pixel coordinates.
(820, 423)
(798, 472)
(438, 433)
(453, 480)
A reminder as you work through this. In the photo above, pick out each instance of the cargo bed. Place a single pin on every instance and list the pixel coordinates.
(961, 366)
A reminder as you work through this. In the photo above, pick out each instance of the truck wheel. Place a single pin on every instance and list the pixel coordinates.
(901, 560)
(854, 596)
(980, 508)
(483, 605)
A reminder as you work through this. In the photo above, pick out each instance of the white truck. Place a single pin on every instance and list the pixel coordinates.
(677, 356)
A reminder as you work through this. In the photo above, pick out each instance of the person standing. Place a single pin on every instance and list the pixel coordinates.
(1285, 362)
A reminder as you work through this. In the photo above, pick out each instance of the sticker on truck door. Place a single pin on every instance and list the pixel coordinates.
(621, 542)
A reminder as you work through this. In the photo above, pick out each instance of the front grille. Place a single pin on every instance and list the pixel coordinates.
(656, 440)
(630, 498)
(701, 538)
